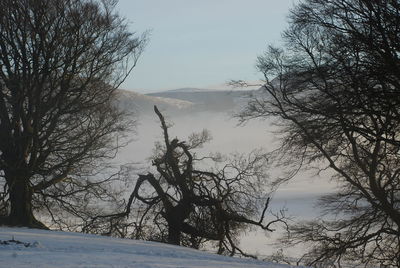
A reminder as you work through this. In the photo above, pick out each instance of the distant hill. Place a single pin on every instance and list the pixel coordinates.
(185, 100)
(136, 102)
(208, 99)
(189, 89)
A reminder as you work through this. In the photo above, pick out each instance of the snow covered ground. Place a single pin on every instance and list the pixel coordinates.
(64, 249)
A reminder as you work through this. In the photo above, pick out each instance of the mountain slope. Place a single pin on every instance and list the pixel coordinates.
(207, 99)
(63, 249)
(188, 89)
(135, 102)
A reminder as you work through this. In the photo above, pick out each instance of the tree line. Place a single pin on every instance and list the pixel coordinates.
(332, 88)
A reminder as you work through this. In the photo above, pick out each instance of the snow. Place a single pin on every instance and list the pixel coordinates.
(139, 102)
(65, 249)
(189, 89)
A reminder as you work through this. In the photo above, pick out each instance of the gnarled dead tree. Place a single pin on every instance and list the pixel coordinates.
(191, 205)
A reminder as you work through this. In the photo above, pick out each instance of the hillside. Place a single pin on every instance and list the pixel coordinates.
(208, 99)
(185, 100)
(62, 249)
(136, 102)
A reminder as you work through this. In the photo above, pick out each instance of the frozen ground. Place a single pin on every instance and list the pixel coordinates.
(63, 249)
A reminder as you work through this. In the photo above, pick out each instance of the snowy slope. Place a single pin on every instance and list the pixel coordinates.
(63, 249)
(188, 89)
(208, 99)
(184, 100)
(136, 102)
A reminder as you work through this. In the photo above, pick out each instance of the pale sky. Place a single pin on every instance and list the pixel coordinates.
(202, 43)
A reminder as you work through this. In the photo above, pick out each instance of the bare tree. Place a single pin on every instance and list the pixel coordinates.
(61, 62)
(191, 204)
(335, 91)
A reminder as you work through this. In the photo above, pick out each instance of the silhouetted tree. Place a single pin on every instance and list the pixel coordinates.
(335, 91)
(191, 204)
(60, 63)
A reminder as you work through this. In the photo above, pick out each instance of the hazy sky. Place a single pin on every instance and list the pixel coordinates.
(202, 43)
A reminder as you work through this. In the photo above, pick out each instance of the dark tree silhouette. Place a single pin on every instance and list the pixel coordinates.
(191, 204)
(335, 90)
(60, 63)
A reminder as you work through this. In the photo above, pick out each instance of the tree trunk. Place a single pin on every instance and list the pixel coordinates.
(174, 235)
(21, 205)
(175, 218)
